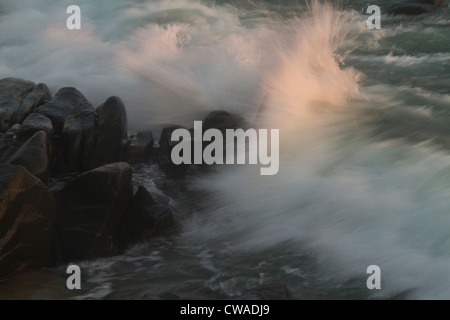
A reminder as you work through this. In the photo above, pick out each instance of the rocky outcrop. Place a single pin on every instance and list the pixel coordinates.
(12, 92)
(34, 155)
(89, 209)
(31, 101)
(60, 107)
(33, 123)
(414, 7)
(79, 138)
(165, 149)
(223, 120)
(85, 138)
(8, 143)
(139, 147)
(219, 119)
(56, 141)
(27, 211)
(112, 131)
(144, 219)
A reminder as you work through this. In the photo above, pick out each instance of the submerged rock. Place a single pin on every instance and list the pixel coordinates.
(89, 210)
(144, 219)
(436, 3)
(164, 157)
(139, 148)
(223, 120)
(414, 7)
(220, 120)
(27, 211)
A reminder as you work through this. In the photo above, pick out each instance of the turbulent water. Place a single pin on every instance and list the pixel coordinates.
(364, 142)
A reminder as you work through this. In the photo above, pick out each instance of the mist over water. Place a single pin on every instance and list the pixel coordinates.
(167, 60)
(364, 142)
(342, 195)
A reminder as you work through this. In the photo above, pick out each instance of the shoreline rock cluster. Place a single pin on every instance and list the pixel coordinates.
(66, 191)
(66, 185)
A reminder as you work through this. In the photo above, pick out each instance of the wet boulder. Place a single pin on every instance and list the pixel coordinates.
(144, 219)
(139, 147)
(36, 97)
(79, 138)
(34, 155)
(9, 143)
(90, 207)
(27, 211)
(414, 7)
(165, 154)
(12, 92)
(223, 120)
(112, 131)
(60, 107)
(33, 123)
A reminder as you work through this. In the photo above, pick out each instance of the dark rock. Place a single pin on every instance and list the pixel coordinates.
(12, 91)
(33, 123)
(144, 219)
(414, 7)
(9, 143)
(13, 130)
(89, 210)
(79, 138)
(409, 8)
(171, 187)
(16, 140)
(165, 149)
(223, 120)
(159, 218)
(139, 148)
(26, 216)
(112, 130)
(60, 107)
(31, 101)
(436, 3)
(34, 155)
(7, 146)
